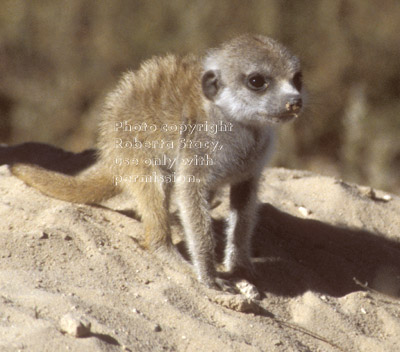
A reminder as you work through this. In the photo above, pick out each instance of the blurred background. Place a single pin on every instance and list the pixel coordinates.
(58, 59)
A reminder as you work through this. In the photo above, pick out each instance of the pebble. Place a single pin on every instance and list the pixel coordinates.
(43, 235)
(304, 211)
(277, 342)
(236, 302)
(387, 197)
(324, 298)
(75, 325)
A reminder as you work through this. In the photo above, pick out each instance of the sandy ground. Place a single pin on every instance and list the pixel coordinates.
(327, 254)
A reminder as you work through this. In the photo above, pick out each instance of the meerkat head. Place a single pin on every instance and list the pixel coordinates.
(254, 79)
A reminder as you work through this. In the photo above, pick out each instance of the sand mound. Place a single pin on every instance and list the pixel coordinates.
(327, 254)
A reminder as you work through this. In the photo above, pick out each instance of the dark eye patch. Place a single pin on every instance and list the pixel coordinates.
(298, 80)
(257, 81)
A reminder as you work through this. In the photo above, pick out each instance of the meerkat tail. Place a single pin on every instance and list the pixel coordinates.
(90, 188)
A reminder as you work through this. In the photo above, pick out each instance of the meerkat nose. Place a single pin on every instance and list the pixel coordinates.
(294, 104)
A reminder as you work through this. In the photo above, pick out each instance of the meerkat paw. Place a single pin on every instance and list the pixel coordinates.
(242, 278)
(226, 285)
(239, 285)
(235, 287)
(217, 283)
(248, 290)
(245, 271)
(240, 296)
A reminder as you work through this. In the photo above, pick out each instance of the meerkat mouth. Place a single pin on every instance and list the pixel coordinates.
(282, 118)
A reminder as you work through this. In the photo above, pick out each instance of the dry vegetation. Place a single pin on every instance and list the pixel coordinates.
(58, 59)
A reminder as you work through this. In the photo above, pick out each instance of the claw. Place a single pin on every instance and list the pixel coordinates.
(226, 285)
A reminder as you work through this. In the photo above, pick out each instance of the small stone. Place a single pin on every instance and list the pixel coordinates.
(237, 302)
(304, 211)
(75, 325)
(370, 192)
(43, 235)
(157, 328)
(376, 195)
(387, 197)
(67, 237)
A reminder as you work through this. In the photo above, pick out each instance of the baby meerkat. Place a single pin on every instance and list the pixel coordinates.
(194, 124)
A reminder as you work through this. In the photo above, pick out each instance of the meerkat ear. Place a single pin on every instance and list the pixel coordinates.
(210, 83)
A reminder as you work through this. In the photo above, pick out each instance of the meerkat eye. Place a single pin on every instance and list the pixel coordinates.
(298, 80)
(257, 81)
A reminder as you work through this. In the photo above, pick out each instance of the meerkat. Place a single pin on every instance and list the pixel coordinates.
(194, 124)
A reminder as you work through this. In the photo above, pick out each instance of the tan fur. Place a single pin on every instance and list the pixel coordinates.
(88, 188)
(172, 91)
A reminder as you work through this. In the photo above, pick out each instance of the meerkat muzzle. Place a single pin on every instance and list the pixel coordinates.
(294, 105)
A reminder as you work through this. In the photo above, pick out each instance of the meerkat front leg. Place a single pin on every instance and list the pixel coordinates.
(241, 224)
(196, 220)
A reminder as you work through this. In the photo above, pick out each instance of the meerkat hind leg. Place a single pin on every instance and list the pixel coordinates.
(153, 206)
(152, 200)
